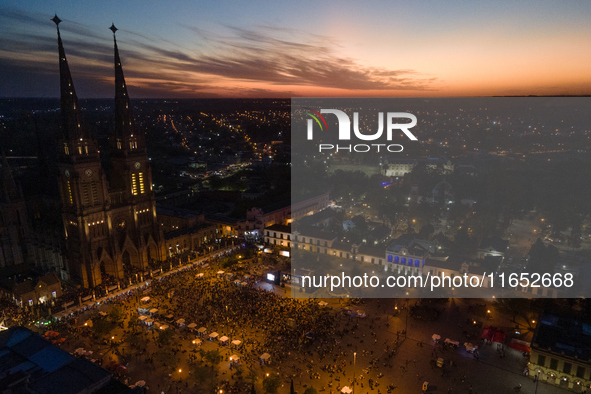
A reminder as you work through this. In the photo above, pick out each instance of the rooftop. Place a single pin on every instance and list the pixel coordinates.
(565, 336)
(279, 227)
(30, 363)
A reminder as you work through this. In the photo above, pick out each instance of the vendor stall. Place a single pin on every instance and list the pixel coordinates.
(470, 348)
(452, 344)
(236, 343)
(265, 358)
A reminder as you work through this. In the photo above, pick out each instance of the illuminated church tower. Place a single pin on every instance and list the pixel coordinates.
(133, 206)
(110, 228)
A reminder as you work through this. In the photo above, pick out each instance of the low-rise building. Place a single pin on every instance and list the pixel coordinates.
(494, 246)
(561, 353)
(32, 292)
(184, 230)
(259, 218)
(278, 235)
(308, 205)
(399, 167)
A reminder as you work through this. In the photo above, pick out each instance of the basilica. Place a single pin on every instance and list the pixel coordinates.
(107, 205)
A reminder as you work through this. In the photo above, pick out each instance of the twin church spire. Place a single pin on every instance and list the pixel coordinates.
(75, 140)
(123, 139)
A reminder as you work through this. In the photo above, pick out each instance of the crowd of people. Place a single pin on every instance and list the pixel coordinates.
(309, 343)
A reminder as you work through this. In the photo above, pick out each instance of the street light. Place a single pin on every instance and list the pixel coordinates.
(354, 375)
(406, 320)
(537, 380)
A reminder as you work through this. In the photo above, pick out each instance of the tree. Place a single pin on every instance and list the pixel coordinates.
(116, 315)
(102, 327)
(251, 375)
(271, 384)
(213, 356)
(514, 307)
(542, 259)
(201, 374)
(426, 231)
(165, 337)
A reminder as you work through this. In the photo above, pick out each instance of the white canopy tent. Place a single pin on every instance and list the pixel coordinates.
(154, 310)
(202, 331)
(265, 358)
(234, 358)
(192, 325)
(346, 390)
(224, 339)
(145, 299)
(197, 342)
(213, 336)
(236, 343)
(323, 303)
(142, 317)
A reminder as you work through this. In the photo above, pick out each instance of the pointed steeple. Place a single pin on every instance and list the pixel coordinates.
(10, 191)
(75, 138)
(124, 138)
(72, 127)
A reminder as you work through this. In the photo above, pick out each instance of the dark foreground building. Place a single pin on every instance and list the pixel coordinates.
(31, 364)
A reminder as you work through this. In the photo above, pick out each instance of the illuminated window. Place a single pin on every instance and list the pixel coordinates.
(70, 198)
(66, 149)
(141, 177)
(133, 185)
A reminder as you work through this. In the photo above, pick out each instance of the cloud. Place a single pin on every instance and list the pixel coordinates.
(261, 60)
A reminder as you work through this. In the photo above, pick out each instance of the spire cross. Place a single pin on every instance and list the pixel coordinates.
(113, 28)
(56, 20)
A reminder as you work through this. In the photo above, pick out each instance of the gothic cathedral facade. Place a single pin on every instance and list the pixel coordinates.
(109, 214)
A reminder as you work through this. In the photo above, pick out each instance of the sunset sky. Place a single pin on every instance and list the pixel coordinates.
(223, 48)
